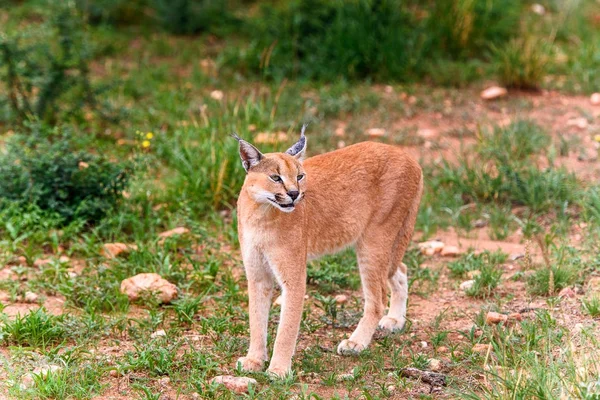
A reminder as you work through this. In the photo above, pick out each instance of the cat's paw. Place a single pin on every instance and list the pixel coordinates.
(250, 364)
(278, 373)
(349, 348)
(391, 325)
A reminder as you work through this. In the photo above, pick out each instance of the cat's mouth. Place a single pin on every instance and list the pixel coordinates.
(283, 207)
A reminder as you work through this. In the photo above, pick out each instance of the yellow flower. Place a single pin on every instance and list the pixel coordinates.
(149, 135)
(597, 138)
(146, 143)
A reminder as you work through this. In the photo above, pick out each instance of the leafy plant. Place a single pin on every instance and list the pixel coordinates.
(37, 329)
(485, 283)
(46, 70)
(522, 63)
(47, 170)
(194, 16)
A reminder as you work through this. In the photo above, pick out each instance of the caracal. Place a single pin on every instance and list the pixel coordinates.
(290, 210)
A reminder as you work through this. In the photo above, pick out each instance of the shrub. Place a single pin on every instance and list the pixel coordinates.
(320, 39)
(522, 63)
(486, 281)
(462, 29)
(37, 329)
(473, 261)
(53, 175)
(184, 17)
(515, 142)
(382, 40)
(563, 270)
(45, 69)
(113, 12)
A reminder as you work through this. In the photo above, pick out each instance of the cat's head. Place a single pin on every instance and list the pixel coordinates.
(277, 179)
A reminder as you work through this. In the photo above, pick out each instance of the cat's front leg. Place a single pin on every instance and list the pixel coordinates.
(260, 294)
(292, 279)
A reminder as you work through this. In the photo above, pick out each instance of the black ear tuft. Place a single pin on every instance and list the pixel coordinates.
(298, 150)
(249, 154)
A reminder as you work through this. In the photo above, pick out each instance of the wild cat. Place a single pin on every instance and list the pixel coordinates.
(289, 210)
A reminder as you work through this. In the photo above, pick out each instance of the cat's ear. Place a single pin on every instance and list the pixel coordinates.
(249, 154)
(298, 150)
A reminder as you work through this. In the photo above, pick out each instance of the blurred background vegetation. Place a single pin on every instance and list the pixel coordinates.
(140, 94)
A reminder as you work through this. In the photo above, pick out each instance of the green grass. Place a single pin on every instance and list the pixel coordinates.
(36, 328)
(507, 178)
(591, 305)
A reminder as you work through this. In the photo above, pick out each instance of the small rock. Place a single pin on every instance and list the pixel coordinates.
(391, 388)
(479, 223)
(149, 282)
(442, 349)
(234, 383)
(435, 365)
(375, 132)
(538, 9)
(482, 348)
(158, 333)
(114, 373)
(341, 299)
(515, 317)
(7, 274)
(112, 250)
(424, 344)
(516, 256)
(473, 274)
(177, 231)
(388, 89)
(217, 95)
(195, 395)
(40, 262)
(466, 285)
(450, 251)
(493, 318)
(42, 372)
(431, 247)
(595, 99)
(164, 381)
(580, 123)
(427, 133)
(345, 377)
(340, 131)
(341, 144)
(30, 297)
(83, 165)
(493, 92)
(578, 327)
(567, 292)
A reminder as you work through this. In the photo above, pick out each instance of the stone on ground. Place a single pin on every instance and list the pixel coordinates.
(135, 286)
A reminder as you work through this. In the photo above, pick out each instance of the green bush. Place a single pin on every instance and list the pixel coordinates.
(321, 39)
(184, 17)
(113, 12)
(382, 40)
(522, 63)
(52, 174)
(461, 29)
(45, 69)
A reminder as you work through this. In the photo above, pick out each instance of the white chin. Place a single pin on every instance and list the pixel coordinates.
(284, 209)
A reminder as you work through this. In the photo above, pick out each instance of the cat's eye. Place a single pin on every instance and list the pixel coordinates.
(300, 177)
(275, 178)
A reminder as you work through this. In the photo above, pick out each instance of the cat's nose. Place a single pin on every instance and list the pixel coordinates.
(293, 194)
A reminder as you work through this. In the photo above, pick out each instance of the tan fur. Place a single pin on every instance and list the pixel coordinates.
(365, 195)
